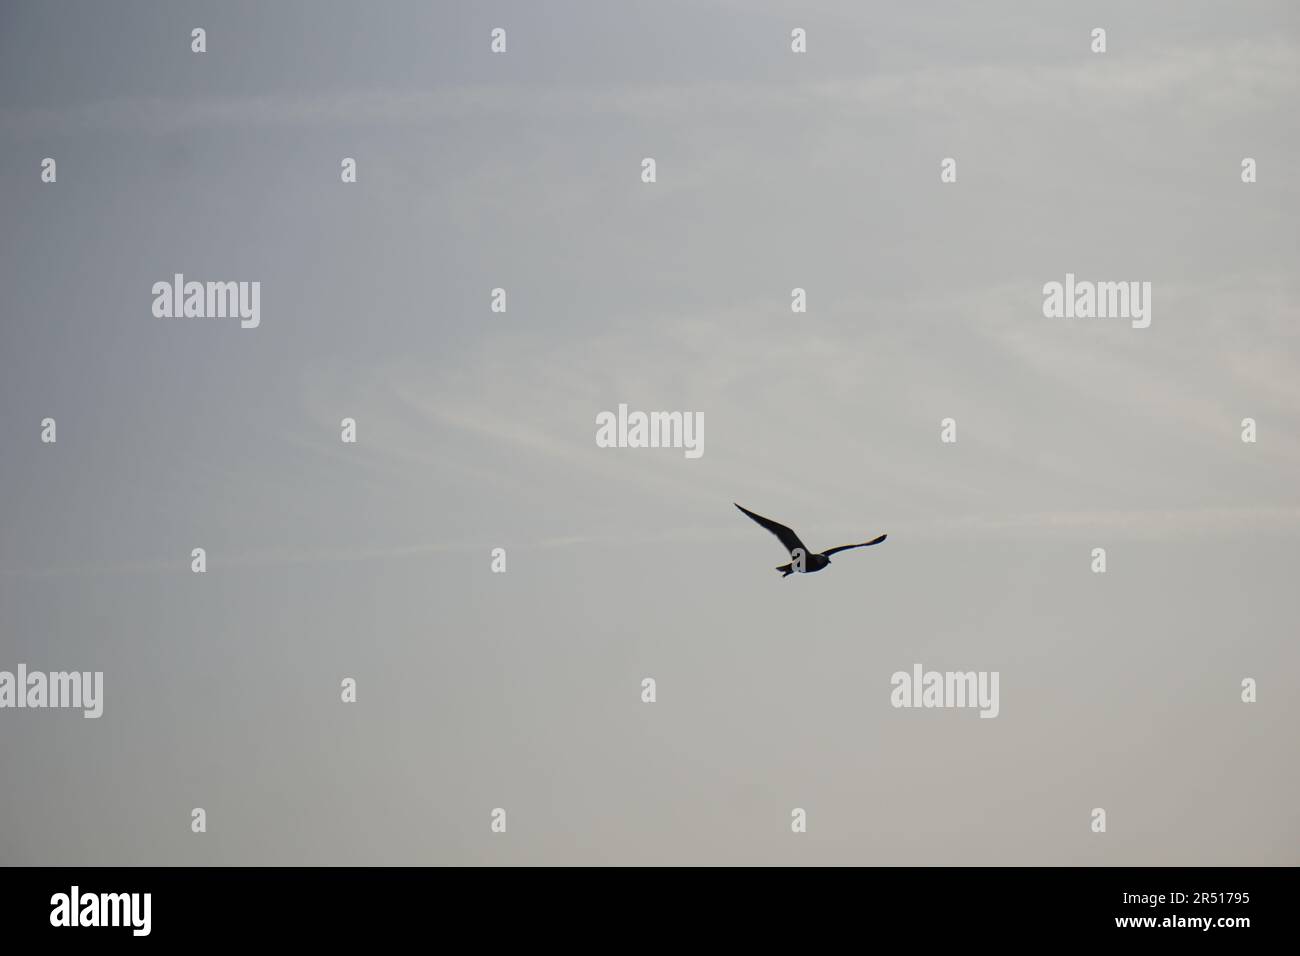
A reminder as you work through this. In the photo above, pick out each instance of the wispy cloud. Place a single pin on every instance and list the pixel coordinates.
(1245, 75)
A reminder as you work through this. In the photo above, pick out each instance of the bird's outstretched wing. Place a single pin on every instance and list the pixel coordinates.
(788, 537)
(847, 547)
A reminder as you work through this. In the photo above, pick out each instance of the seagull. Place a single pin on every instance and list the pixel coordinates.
(810, 562)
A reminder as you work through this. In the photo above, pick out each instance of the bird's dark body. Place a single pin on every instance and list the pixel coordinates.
(804, 560)
(811, 563)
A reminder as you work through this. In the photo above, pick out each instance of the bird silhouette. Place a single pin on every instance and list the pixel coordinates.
(798, 551)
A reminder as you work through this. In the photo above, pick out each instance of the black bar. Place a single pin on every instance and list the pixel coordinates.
(238, 904)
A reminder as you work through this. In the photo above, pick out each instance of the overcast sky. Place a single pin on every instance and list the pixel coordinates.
(476, 431)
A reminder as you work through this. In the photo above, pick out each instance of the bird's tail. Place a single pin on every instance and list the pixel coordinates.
(786, 570)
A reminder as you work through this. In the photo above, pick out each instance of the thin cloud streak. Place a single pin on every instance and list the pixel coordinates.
(1159, 524)
(1253, 76)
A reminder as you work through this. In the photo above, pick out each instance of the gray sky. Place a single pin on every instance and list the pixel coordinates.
(476, 430)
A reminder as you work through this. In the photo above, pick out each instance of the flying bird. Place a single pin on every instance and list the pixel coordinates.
(811, 562)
